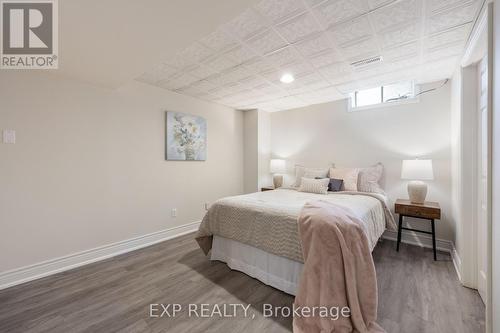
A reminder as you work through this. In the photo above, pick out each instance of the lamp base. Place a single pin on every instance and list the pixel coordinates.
(417, 191)
(278, 181)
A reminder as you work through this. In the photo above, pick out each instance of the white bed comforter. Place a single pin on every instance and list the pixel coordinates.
(268, 220)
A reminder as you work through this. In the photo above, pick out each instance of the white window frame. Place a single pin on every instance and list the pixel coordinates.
(416, 90)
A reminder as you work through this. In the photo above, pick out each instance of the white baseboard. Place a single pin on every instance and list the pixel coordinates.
(422, 240)
(457, 262)
(53, 266)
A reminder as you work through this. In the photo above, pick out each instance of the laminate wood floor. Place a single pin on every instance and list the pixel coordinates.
(416, 294)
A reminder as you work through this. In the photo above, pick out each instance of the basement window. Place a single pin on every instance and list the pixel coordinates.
(378, 96)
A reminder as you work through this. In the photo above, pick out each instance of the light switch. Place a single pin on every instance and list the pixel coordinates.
(9, 136)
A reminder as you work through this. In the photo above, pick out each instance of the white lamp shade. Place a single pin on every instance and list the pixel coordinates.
(277, 166)
(417, 170)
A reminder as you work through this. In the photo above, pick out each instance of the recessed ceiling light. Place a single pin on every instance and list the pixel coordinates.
(287, 78)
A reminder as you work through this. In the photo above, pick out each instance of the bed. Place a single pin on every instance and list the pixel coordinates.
(257, 233)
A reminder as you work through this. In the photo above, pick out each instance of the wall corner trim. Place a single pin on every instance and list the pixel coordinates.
(61, 264)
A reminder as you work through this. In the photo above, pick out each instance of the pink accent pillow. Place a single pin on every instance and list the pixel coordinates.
(348, 175)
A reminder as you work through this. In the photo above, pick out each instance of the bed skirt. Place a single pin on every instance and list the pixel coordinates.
(275, 271)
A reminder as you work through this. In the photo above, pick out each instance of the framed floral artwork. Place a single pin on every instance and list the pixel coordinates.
(185, 137)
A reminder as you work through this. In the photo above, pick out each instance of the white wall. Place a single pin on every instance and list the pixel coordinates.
(264, 149)
(322, 134)
(88, 167)
(250, 151)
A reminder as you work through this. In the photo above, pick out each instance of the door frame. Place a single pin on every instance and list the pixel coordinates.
(480, 44)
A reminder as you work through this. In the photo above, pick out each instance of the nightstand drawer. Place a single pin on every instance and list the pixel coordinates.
(418, 211)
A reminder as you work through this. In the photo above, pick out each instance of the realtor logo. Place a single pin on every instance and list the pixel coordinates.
(29, 34)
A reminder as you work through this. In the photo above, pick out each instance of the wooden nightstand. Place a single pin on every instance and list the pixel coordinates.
(427, 211)
(267, 188)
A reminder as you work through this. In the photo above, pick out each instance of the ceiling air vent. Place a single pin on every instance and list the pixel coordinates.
(366, 62)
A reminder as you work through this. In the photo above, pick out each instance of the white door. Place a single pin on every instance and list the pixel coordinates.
(483, 170)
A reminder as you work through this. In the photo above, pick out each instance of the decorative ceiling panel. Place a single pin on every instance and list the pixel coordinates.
(219, 41)
(397, 13)
(314, 45)
(277, 11)
(241, 62)
(452, 18)
(267, 42)
(351, 31)
(456, 35)
(336, 11)
(299, 27)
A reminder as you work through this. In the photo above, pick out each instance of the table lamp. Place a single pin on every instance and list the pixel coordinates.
(416, 171)
(278, 168)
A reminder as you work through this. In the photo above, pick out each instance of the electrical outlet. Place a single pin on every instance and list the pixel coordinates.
(174, 212)
(207, 205)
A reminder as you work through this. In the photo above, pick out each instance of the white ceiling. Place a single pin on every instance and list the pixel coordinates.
(108, 43)
(240, 63)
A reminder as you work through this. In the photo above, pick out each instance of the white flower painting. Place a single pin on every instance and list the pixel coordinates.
(186, 137)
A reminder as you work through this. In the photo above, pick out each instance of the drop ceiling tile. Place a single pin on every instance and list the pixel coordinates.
(379, 3)
(236, 74)
(310, 77)
(400, 35)
(219, 41)
(188, 90)
(337, 11)
(196, 52)
(313, 45)
(253, 81)
(240, 64)
(203, 85)
(445, 52)
(452, 18)
(438, 5)
(452, 36)
(297, 68)
(267, 42)
(219, 63)
(351, 31)
(401, 12)
(313, 86)
(272, 75)
(298, 28)
(181, 62)
(240, 54)
(202, 72)
(246, 25)
(294, 88)
(325, 58)
(282, 57)
(258, 65)
(401, 51)
(335, 70)
(329, 94)
(277, 11)
(407, 63)
(364, 47)
(313, 3)
(271, 90)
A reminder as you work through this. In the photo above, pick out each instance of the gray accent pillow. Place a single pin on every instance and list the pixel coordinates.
(335, 185)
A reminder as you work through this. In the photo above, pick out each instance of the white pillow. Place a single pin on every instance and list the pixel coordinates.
(348, 175)
(311, 185)
(369, 179)
(301, 171)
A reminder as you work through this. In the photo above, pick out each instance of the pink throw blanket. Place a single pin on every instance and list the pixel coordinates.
(338, 270)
